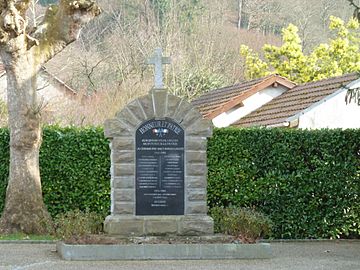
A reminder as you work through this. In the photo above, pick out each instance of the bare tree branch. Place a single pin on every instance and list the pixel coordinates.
(57, 30)
(356, 14)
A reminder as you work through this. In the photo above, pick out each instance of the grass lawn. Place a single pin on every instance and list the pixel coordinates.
(20, 236)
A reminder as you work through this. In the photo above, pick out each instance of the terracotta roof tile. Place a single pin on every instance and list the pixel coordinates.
(294, 101)
(216, 99)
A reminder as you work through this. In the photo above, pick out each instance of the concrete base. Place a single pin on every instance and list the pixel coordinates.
(158, 225)
(164, 252)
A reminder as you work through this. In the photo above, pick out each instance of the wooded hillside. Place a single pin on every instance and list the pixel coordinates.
(203, 38)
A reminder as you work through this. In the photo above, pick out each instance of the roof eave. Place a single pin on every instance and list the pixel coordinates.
(323, 100)
(253, 90)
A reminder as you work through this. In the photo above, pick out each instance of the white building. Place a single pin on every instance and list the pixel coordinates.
(314, 105)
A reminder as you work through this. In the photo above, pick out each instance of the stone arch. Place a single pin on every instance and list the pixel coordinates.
(158, 104)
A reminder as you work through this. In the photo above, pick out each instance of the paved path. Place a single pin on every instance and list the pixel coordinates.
(287, 256)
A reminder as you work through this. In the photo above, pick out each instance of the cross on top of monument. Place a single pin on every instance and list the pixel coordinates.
(158, 60)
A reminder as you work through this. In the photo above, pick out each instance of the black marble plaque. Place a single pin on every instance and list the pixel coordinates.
(159, 168)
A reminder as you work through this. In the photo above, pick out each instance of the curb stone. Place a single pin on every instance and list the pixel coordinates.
(164, 251)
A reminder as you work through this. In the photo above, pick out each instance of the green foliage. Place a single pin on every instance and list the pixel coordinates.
(76, 224)
(307, 182)
(22, 236)
(185, 11)
(75, 169)
(339, 56)
(4, 163)
(194, 82)
(161, 8)
(245, 224)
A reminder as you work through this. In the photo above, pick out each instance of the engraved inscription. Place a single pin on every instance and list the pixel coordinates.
(160, 168)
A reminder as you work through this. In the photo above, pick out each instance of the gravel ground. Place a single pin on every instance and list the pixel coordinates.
(317, 255)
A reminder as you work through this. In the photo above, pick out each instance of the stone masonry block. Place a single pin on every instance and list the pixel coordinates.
(124, 170)
(137, 110)
(121, 144)
(125, 156)
(124, 195)
(147, 105)
(119, 225)
(124, 208)
(198, 181)
(115, 128)
(161, 227)
(173, 104)
(196, 143)
(198, 194)
(196, 225)
(194, 169)
(191, 117)
(196, 208)
(196, 156)
(182, 109)
(123, 182)
(201, 128)
(128, 118)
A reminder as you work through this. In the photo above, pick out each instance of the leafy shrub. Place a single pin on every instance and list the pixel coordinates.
(4, 164)
(217, 214)
(75, 170)
(75, 223)
(194, 82)
(246, 225)
(307, 182)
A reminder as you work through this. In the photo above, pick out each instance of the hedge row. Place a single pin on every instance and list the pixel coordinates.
(74, 168)
(308, 182)
(4, 164)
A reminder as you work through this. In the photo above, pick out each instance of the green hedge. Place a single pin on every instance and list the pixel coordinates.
(308, 182)
(4, 164)
(74, 168)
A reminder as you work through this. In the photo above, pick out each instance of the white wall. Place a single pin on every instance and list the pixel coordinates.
(47, 92)
(333, 113)
(250, 104)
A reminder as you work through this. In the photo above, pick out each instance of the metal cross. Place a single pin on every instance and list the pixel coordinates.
(158, 60)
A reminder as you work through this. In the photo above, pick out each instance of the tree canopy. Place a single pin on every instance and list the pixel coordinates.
(340, 55)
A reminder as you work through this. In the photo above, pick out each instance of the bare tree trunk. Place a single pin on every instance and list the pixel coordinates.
(239, 13)
(23, 52)
(24, 207)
